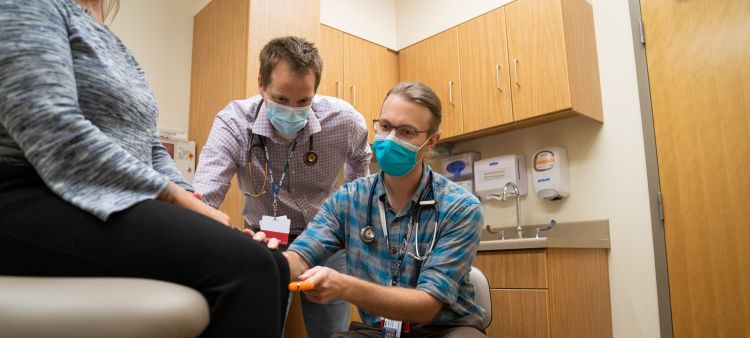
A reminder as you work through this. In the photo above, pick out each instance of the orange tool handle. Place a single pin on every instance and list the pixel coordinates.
(301, 286)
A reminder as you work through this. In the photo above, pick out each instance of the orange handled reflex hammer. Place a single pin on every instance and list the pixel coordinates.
(301, 286)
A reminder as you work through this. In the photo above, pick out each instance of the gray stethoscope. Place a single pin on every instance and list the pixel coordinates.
(367, 234)
(309, 159)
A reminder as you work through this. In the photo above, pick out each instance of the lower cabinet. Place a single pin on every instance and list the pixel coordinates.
(553, 292)
(545, 293)
(522, 313)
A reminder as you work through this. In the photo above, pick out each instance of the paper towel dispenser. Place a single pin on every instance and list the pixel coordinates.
(491, 175)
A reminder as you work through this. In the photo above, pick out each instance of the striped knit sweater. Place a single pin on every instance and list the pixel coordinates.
(76, 106)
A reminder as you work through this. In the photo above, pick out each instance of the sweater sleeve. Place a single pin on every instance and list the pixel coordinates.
(40, 112)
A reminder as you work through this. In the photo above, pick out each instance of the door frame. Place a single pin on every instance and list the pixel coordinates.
(652, 172)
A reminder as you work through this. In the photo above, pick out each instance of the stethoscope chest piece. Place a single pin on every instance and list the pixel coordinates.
(367, 234)
(310, 158)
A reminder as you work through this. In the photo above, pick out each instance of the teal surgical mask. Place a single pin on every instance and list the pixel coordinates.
(395, 157)
(288, 121)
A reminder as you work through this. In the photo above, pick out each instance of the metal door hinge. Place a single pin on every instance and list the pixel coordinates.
(661, 207)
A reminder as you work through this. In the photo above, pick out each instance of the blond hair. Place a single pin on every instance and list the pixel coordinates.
(110, 7)
(419, 94)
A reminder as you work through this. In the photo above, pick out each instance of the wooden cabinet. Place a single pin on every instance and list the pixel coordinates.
(521, 313)
(485, 82)
(548, 292)
(434, 62)
(525, 63)
(331, 49)
(357, 71)
(552, 51)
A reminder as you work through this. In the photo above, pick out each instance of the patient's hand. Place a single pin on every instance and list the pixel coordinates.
(260, 237)
(176, 194)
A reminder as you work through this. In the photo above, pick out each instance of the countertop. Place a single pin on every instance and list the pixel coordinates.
(582, 234)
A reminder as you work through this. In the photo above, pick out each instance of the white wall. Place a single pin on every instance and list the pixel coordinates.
(199, 4)
(372, 20)
(160, 35)
(420, 19)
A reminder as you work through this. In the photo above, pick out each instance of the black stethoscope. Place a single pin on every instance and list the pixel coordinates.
(309, 159)
(367, 234)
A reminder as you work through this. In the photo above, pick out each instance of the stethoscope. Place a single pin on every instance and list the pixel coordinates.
(309, 159)
(367, 234)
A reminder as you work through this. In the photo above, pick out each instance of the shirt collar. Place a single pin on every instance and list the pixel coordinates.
(262, 126)
(423, 181)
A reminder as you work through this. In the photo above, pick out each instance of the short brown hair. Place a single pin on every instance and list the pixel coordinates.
(418, 93)
(301, 55)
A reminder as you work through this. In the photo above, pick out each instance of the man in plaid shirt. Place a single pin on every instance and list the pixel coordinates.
(397, 284)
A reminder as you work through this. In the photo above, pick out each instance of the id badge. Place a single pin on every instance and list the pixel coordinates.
(276, 227)
(391, 328)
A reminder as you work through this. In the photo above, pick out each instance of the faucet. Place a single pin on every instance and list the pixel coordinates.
(510, 188)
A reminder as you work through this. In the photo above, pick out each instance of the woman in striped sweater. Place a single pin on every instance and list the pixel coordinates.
(86, 189)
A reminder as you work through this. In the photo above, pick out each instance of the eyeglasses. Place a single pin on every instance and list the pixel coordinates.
(384, 128)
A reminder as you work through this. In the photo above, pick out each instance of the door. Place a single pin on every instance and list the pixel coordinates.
(485, 82)
(536, 52)
(434, 62)
(698, 55)
(219, 70)
(331, 50)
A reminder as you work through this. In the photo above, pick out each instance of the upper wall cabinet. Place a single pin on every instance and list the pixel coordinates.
(357, 71)
(434, 62)
(527, 62)
(485, 82)
(552, 51)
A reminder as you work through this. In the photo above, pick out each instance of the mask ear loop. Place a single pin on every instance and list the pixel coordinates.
(423, 144)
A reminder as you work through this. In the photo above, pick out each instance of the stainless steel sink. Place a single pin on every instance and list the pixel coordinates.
(586, 234)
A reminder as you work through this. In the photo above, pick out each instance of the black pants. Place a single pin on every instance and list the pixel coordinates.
(42, 235)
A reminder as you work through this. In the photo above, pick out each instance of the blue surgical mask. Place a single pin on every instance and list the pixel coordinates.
(395, 157)
(288, 121)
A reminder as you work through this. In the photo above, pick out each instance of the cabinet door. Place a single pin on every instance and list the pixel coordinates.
(536, 48)
(519, 313)
(332, 52)
(434, 62)
(370, 70)
(220, 42)
(485, 82)
(514, 269)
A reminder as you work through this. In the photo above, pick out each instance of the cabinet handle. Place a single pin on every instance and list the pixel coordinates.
(515, 65)
(354, 96)
(497, 78)
(338, 89)
(450, 91)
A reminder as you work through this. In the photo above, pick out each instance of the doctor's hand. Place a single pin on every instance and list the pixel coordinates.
(176, 194)
(260, 237)
(329, 284)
